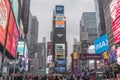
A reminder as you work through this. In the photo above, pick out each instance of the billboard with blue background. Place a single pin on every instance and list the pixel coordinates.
(60, 69)
(59, 10)
(101, 44)
(61, 62)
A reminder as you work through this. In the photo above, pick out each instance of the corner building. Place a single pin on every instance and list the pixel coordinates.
(59, 40)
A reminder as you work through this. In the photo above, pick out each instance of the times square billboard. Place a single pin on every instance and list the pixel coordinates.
(7, 21)
(60, 51)
(59, 35)
(59, 10)
(115, 17)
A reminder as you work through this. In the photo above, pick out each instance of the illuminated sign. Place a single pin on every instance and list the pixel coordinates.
(118, 55)
(87, 56)
(59, 51)
(101, 44)
(59, 10)
(4, 12)
(115, 14)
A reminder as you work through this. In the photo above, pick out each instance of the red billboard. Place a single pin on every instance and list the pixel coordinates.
(49, 48)
(10, 32)
(14, 41)
(115, 14)
(4, 13)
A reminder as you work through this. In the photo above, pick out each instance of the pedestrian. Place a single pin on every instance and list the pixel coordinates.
(71, 78)
(85, 77)
(56, 78)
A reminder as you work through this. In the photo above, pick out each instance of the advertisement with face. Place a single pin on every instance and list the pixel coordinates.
(59, 51)
(4, 12)
(112, 54)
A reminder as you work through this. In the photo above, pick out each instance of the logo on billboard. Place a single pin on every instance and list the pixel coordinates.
(59, 35)
(101, 44)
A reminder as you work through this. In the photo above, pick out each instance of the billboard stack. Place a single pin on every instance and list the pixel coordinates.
(59, 40)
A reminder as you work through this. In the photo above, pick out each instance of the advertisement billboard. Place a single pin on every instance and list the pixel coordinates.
(59, 51)
(60, 35)
(4, 12)
(115, 14)
(75, 55)
(101, 44)
(118, 55)
(14, 41)
(59, 69)
(61, 62)
(49, 48)
(59, 24)
(112, 54)
(20, 48)
(15, 8)
(59, 10)
(87, 56)
(74, 62)
(105, 55)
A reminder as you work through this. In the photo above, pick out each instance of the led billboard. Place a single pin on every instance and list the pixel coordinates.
(15, 8)
(112, 54)
(115, 14)
(59, 10)
(60, 35)
(59, 69)
(60, 24)
(49, 48)
(14, 41)
(59, 51)
(4, 12)
(75, 55)
(61, 62)
(118, 55)
(10, 32)
(20, 48)
(101, 44)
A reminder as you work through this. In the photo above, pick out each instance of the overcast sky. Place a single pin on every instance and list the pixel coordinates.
(43, 9)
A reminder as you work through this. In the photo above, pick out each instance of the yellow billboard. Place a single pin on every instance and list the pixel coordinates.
(105, 55)
(75, 55)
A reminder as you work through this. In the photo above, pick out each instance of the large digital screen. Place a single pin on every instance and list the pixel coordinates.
(14, 41)
(61, 62)
(10, 32)
(101, 44)
(49, 48)
(20, 48)
(4, 12)
(15, 8)
(118, 55)
(59, 69)
(112, 54)
(59, 24)
(115, 14)
(59, 51)
(59, 10)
